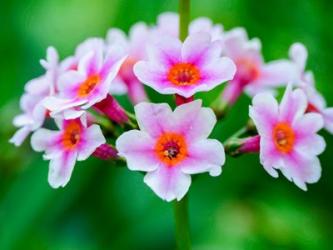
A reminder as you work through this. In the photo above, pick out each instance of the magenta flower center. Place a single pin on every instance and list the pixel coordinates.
(183, 74)
(171, 148)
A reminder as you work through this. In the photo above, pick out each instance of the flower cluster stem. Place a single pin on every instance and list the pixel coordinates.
(184, 18)
(182, 224)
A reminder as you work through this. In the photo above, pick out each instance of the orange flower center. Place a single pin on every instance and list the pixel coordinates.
(72, 135)
(284, 137)
(171, 148)
(247, 70)
(183, 74)
(88, 85)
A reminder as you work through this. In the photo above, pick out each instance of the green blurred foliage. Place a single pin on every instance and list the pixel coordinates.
(107, 207)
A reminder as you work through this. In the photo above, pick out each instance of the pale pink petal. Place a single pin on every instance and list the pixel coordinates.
(193, 121)
(264, 113)
(311, 144)
(93, 139)
(20, 135)
(204, 156)
(167, 23)
(153, 76)
(115, 57)
(165, 51)
(46, 140)
(56, 105)
(153, 118)
(69, 83)
(168, 183)
(301, 168)
(308, 124)
(139, 37)
(293, 105)
(201, 24)
(299, 54)
(277, 73)
(328, 118)
(89, 45)
(217, 72)
(270, 158)
(234, 42)
(22, 120)
(61, 168)
(199, 50)
(137, 148)
(91, 63)
(117, 36)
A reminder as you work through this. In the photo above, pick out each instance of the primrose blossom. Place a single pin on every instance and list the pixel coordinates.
(288, 136)
(185, 68)
(170, 146)
(73, 142)
(316, 102)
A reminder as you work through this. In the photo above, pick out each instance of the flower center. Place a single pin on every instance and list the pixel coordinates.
(184, 74)
(88, 85)
(72, 135)
(247, 71)
(171, 148)
(284, 137)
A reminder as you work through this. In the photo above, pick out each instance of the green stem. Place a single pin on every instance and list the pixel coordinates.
(182, 224)
(184, 18)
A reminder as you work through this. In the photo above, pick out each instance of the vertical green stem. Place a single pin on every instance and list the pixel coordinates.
(182, 224)
(181, 207)
(184, 18)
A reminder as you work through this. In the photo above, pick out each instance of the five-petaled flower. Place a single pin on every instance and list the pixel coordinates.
(89, 84)
(316, 102)
(253, 74)
(288, 136)
(171, 146)
(75, 141)
(185, 68)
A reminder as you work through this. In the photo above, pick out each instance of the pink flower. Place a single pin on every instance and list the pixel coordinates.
(316, 102)
(74, 142)
(288, 136)
(253, 75)
(185, 68)
(89, 84)
(171, 146)
(168, 24)
(34, 113)
(135, 46)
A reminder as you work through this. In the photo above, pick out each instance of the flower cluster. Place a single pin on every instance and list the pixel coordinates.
(73, 112)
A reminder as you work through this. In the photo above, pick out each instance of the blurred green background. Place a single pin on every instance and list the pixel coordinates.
(106, 207)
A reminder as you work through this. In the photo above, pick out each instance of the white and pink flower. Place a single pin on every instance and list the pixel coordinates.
(74, 142)
(253, 74)
(185, 68)
(31, 103)
(135, 46)
(168, 24)
(89, 84)
(170, 146)
(288, 136)
(316, 102)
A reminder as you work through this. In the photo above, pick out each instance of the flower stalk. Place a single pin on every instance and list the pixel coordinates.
(182, 224)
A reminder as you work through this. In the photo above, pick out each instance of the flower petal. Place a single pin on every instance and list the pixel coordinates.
(301, 168)
(199, 50)
(204, 156)
(293, 105)
(61, 168)
(92, 140)
(137, 148)
(328, 118)
(45, 140)
(264, 112)
(188, 118)
(153, 118)
(299, 54)
(20, 135)
(168, 183)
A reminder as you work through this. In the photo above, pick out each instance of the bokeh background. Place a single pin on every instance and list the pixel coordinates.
(109, 207)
